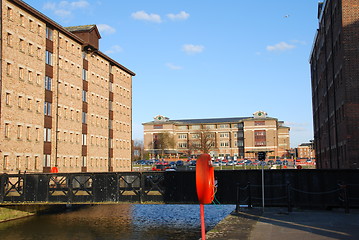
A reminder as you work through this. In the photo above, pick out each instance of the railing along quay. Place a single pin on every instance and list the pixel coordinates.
(286, 188)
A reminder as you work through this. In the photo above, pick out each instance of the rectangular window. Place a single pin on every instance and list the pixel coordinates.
(36, 162)
(7, 130)
(157, 126)
(37, 134)
(21, 45)
(31, 25)
(31, 49)
(84, 74)
(7, 98)
(20, 102)
(21, 73)
(48, 59)
(49, 33)
(84, 117)
(5, 162)
(195, 136)
(224, 126)
(9, 12)
(182, 136)
(84, 161)
(8, 69)
(27, 161)
(19, 131)
(29, 76)
(182, 145)
(47, 134)
(9, 39)
(28, 133)
(47, 160)
(47, 109)
(17, 162)
(84, 139)
(22, 20)
(224, 144)
(224, 135)
(48, 83)
(84, 96)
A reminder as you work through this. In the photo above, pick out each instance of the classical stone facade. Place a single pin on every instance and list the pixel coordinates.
(63, 102)
(335, 86)
(241, 137)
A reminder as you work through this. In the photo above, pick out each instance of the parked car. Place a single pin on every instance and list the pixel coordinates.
(278, 162)
(215, 164)
(193, 163)
(285, 162)
(247, 162)
(270, 162)
(179, 163)
(161, 167)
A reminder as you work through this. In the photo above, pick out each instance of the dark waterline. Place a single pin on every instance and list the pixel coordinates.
(122, 221)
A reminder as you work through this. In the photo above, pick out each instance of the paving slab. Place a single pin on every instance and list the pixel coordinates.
(278, 224)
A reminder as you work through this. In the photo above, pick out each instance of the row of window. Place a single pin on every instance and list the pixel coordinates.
(210, 135)
(32, 163)
(221, 144)
(25, 47)
(210, 126)
(22, 132)
(26, 23)
(20, 162)
(23, 102)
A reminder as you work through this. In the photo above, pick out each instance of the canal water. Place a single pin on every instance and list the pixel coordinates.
(121, 221)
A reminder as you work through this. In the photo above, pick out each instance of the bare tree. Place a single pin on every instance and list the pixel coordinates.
(163, 141)
(137, 148)
(202, 140)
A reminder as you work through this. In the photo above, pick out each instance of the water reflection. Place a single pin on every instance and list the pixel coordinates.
(122, 221)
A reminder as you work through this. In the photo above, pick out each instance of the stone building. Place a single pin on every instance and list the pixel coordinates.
(335, 86)
(63, 102)
(238, 137)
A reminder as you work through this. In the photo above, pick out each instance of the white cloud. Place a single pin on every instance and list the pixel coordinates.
(114, 49)
(180, 16)
(49, 6)
(192, 49)
(65, 8)
(173, 67)
(104, 28)
(142, 15)
(282, 46)
(62, 13)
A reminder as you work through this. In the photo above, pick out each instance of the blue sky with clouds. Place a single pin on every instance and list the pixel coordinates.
(205, 58)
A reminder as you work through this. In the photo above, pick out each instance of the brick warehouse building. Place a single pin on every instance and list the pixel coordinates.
(335, 84)
(63, 102)
(240, 137)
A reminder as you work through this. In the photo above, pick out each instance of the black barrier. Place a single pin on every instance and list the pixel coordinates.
(287, 187)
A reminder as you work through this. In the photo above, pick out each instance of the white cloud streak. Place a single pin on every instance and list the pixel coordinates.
(65, 8)
(282, 46)
(173, 66)
(114, 49)
(104, 28)
(180, 16)
(149, 17)
(192, 49)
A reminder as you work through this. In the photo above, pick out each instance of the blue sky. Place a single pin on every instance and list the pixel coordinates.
(205, 58)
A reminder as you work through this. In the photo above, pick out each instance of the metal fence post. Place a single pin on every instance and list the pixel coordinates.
(345, 197)
(249, 195)
(237, 197)
(289, 198)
